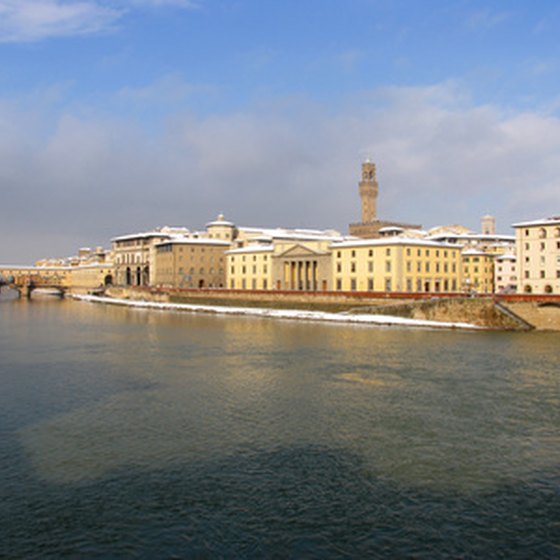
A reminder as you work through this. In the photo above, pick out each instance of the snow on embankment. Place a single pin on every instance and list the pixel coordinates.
(363, 319)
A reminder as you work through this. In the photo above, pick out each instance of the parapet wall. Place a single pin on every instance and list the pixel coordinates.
(503, 313)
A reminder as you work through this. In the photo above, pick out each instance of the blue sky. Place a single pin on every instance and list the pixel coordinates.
(121, 115)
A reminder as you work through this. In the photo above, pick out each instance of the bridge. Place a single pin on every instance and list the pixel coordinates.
(27, 279)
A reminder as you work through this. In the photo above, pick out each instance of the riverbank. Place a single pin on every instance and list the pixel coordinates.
(291, 314)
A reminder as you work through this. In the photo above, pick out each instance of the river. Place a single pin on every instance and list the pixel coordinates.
(152, 434)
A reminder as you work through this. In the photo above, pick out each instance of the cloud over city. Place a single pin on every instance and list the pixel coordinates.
(83, 177)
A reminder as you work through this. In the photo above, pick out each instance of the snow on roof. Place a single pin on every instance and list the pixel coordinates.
(392, 241)
(476, 252)
(390, 228)
(301, 234)
(554, 220)
(251, 249)
(194, 241)
(473, 237)
(506, 257)
(145, 235)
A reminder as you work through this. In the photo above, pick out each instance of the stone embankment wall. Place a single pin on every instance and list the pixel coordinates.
(511, 313)
(542, 316)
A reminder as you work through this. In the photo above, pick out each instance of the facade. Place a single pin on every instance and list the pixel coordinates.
(505, 274)
(134, 255)
(281, 265)
(478, 271)
(369, 189)
(396, 265)
(538, 256)
(250, 268)
(190, 263)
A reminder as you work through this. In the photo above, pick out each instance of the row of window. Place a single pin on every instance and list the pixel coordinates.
(542, 233)
(254, 269)
(427, 253)
(420, 285)
(243, 258)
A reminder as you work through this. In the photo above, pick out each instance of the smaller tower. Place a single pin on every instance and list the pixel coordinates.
(368, 192)
(488, 225)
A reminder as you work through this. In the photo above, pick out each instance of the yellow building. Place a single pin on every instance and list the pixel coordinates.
(538, 256)
(250, 268)
(191, 263)
(396, 264)
(478, 271)
(134, 255)
(505, 274)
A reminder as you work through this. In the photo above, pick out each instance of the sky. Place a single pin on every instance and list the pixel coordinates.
(118, 116)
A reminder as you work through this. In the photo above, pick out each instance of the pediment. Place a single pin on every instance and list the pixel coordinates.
(299, 251)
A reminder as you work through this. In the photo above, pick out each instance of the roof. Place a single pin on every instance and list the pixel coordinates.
(477, 253)
(554, 220)
(393, 241)
(194, 241)
(251, 249)
(145, 235)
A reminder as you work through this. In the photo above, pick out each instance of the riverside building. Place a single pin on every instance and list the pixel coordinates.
(396, 265)
(478, 271)
(191, 263)
(538, 256)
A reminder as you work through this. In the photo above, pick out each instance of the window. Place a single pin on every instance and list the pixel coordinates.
(387, 266)
(338, 254)
(338, 267)
(338, 284)
(388, 252)
(370, 283)
(387, 284)
(353, 267)
(353, 254)
(542, 233)
(370, 266)
(370, 253)
(353, 284)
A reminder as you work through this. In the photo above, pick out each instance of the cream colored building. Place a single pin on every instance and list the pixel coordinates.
(396, 265)
(134, 255)
(538, 256)
(250, 268)
(191, 263)
(283, 264)
(478, 271)
(505, 274)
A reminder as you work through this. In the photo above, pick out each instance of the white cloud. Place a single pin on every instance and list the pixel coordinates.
(186, 4)
(486, 19)
(171, 88)
(441, 159)
(34, 20)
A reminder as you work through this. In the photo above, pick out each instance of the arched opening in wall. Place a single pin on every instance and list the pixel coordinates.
(146, 276)
(548, 289)
(138, 276)
(201, 283)
(427, 287)
(108, 281)
(128, 280)
(527, 289)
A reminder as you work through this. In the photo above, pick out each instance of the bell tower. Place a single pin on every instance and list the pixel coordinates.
(368, 192)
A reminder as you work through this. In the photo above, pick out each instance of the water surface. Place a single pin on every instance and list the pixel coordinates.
(133, 433)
